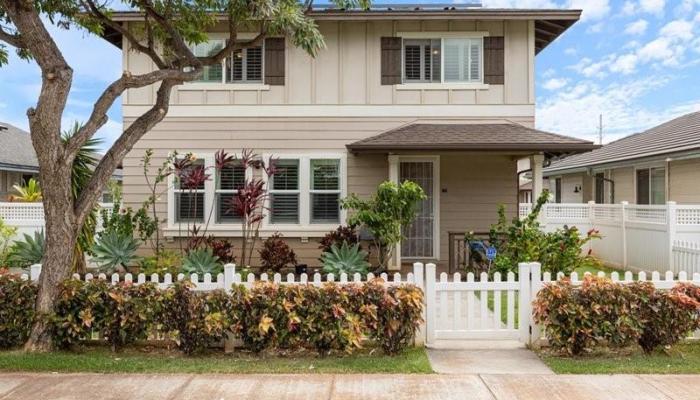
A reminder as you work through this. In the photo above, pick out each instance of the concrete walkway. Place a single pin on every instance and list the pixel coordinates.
(350, 387)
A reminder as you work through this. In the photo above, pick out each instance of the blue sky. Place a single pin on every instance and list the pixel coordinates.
(637, 62)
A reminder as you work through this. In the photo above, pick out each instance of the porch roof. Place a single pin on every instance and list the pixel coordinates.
(470, 137)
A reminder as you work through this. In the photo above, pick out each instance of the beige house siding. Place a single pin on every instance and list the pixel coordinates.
(684, 181)
(347, 71)
(683, 185)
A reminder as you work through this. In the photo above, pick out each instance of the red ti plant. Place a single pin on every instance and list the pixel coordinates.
(249, 202)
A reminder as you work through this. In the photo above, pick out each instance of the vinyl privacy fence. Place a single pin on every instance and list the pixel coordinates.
(457, 307)
(29, 217)
(635, 237)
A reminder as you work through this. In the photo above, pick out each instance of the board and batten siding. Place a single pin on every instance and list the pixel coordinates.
(348, 71)
(684, 181)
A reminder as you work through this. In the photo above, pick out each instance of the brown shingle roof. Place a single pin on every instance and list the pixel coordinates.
(676, 135)
(484, 137)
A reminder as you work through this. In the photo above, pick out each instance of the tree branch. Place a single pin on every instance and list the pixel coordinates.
(127, 81)
(178, 44)
(149, 50)
(109, 162)
(12, 39)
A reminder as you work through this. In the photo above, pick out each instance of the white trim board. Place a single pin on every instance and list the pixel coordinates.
(417, 111)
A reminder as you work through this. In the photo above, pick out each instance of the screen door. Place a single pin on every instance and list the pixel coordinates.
(419, 236)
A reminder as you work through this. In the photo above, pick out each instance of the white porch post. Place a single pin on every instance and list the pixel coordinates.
(394, 177)
(536, 161)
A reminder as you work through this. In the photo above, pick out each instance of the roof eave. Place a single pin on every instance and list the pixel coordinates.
(548, 147)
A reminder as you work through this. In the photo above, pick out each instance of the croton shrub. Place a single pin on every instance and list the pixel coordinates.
(17, 298)
(268, 316)
(601, 312)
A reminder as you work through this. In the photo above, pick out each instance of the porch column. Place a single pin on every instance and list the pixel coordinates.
(394, 177)
(536, 161)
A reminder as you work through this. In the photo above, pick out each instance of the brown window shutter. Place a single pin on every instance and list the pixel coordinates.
(274, 61)
(493, 60)
(391, 60)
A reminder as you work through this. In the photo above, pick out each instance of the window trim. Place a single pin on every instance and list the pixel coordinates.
(416, 85)
(305, 193)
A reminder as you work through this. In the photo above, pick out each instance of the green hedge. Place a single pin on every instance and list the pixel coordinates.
(267, 316)
(600, 312)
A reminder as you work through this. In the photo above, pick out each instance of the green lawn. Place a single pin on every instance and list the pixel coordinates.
(101, 360)
(683, 358)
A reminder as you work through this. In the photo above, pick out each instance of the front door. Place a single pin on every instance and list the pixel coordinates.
(419, 239)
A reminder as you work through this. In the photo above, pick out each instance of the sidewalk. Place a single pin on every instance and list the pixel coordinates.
(350, 387)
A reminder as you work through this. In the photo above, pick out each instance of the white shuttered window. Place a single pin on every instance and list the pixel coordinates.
(463, 60)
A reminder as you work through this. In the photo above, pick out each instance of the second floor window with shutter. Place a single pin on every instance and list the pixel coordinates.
(449, 60)
(242, 66)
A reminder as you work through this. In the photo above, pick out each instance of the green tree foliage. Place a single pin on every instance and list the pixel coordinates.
(393, 206)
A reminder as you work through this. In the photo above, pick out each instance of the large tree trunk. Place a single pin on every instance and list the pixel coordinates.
(61, 234)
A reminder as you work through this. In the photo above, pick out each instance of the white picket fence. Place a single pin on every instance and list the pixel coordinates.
(456, 309)
(636, 237)
(29, 217)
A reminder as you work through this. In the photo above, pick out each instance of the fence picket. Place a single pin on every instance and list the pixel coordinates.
(457, 306)
(497, 303)
(483, 299)
(470, 303)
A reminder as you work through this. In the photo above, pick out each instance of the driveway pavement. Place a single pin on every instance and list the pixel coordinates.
(348, 387)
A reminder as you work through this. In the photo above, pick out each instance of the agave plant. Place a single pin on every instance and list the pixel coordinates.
(349, 259)
(201, 261)
(115, 252)
(29, 192)
(28, 251)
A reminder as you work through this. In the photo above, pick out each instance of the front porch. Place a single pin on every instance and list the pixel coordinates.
(466, 171)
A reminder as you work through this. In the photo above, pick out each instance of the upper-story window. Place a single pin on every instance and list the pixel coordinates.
(453, 60)
(242, 66)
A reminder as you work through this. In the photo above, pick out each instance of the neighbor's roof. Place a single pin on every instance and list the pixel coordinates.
(549, 23)
(677, 135)
(16, 150)
(470, 137)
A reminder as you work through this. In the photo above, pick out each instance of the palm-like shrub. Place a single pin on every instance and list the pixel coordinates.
(201, 261)
(28, 251)
(30, 192)
(115, 252)
(345, 259)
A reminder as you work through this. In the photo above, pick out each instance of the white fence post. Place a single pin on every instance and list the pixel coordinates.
(591, 223)
(535, 286)
(420, 282)
(34, 272)
(623, 224)
(430, 303)
(671, 232)
(524, 302)
(229, 274)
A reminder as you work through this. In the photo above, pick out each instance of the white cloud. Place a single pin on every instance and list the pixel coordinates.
(596, 28)
(680, 29)
(625, 64)
(575, 111)
(555, 83)
(652, 6)
(592, 9)
(637, 27)
(628, 8)
(549, 73)
(570, 51)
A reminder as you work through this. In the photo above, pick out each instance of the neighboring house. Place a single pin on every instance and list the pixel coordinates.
(18, 163)
(651, 167)
(440, 95)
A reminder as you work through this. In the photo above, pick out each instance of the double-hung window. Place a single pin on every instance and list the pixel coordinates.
(229, 180)
(241, 66)
(284, 192)
(189, 201)
(449, 60)
(325, 191)
(651, 186)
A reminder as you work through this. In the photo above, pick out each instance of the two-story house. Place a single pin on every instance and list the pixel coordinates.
(440, 95)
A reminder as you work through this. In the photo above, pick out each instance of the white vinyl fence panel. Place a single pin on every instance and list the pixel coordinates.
(29, 217)
(636, 237)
